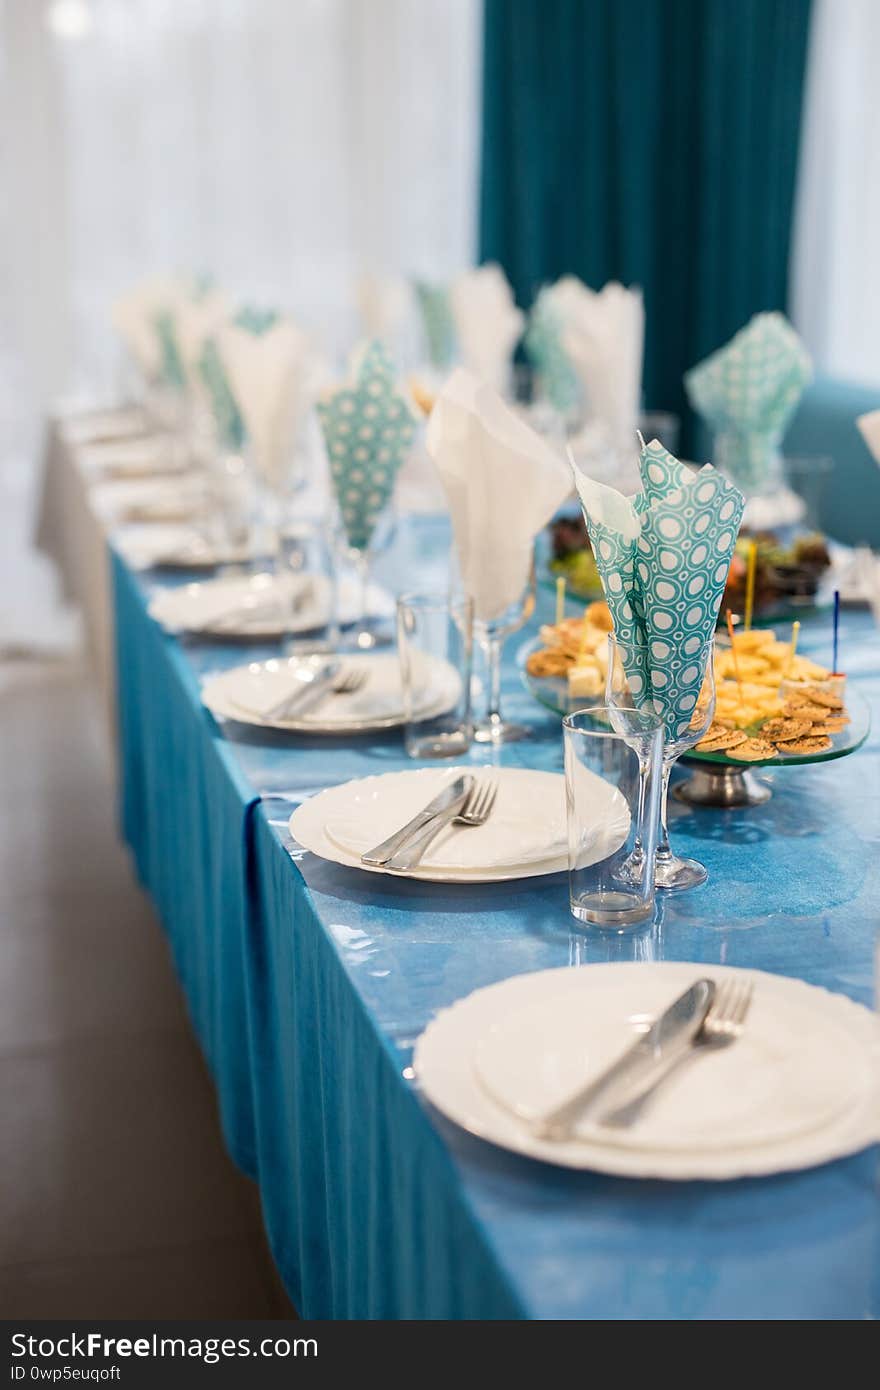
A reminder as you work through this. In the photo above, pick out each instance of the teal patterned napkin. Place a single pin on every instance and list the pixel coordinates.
(368, 429)
(747, 392)
(544, 346)
(227, 417)
(437, 321)
(257, 321)
(663, 557)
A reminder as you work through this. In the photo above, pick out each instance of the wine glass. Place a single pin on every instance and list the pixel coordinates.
(671, 872)
(490, 636)
(360, 550)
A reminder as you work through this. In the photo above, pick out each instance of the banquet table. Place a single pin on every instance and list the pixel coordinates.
(308, 984)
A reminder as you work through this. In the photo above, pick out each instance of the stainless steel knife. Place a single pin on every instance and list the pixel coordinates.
(669, 1037)
(312, 688)
(451, 798)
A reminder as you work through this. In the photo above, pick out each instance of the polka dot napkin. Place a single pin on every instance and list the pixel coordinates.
(663, 557)
(747, 392)
(368, 429)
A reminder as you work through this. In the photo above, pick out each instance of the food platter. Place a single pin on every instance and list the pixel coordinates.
(717, 779)
(790, 586)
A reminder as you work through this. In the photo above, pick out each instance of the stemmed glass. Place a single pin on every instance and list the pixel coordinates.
(490, 637)
(369, 630)
(671, 872)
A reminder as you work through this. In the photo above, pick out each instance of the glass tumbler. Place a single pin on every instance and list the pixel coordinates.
(613, 774)
(434, 642)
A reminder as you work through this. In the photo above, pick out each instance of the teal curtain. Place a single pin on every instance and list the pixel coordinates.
(649, 141)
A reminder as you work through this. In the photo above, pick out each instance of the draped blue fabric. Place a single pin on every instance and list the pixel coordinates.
(309, 983)
(651, 141)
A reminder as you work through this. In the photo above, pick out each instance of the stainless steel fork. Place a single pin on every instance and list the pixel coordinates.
(306, 700)
(475, 811)
(723, 1024)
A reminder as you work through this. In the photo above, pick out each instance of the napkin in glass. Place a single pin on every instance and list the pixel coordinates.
(747, 392)
(437, 322)
(134, 318)
(603, 334)
(272, 370)
(546, 351)
(197, 317)
(663, 557)
(221, 402)
(368, 428)
(487, 322)
(503, 483)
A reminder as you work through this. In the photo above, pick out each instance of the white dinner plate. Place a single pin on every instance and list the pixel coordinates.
(177, 546)
(799, 1088)
(247, 693)
(134, 458)
(145, 500)
(196, 608)
(525, 835)
(98, 426)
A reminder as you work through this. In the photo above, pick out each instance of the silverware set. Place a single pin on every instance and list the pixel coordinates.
(330, 679)
(705, 1017)
(244, 614)
(468, 801)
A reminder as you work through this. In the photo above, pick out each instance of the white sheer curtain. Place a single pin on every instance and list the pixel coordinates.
(836, 265)
(281, 145)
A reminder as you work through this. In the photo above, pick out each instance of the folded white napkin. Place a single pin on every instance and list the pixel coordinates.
(869, 426)
(603, 334)
(274, 377)
(503, 483)
(487, 322)
(134, 318)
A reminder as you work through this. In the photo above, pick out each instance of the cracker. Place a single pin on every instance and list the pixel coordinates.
(780, 729)
(801, 709)
(812, 744)
(720, 742)
(752, 751)
(822, 697)
(832, 726)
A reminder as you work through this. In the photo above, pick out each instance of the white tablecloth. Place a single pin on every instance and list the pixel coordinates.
(73, 535)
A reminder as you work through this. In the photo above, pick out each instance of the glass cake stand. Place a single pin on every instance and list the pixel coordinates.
(715, 780)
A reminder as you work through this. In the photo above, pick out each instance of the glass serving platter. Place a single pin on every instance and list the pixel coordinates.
(718, 780)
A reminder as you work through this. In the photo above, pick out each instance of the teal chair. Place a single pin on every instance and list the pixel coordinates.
(825, 424)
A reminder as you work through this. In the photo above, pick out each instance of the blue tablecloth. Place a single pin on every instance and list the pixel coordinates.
(308, 984)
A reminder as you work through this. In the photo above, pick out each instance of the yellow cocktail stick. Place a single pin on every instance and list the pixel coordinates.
(795, 631)
(750, 583)
(736, 673)
(582, 649)
(560, 599)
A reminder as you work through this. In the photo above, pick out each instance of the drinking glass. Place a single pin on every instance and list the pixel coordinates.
(304, 551)
(490, 637)
(434, 641)
(231, 506)
(613, 762)
(671, 873)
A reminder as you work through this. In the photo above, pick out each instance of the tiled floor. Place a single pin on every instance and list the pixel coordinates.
(117, 1198)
